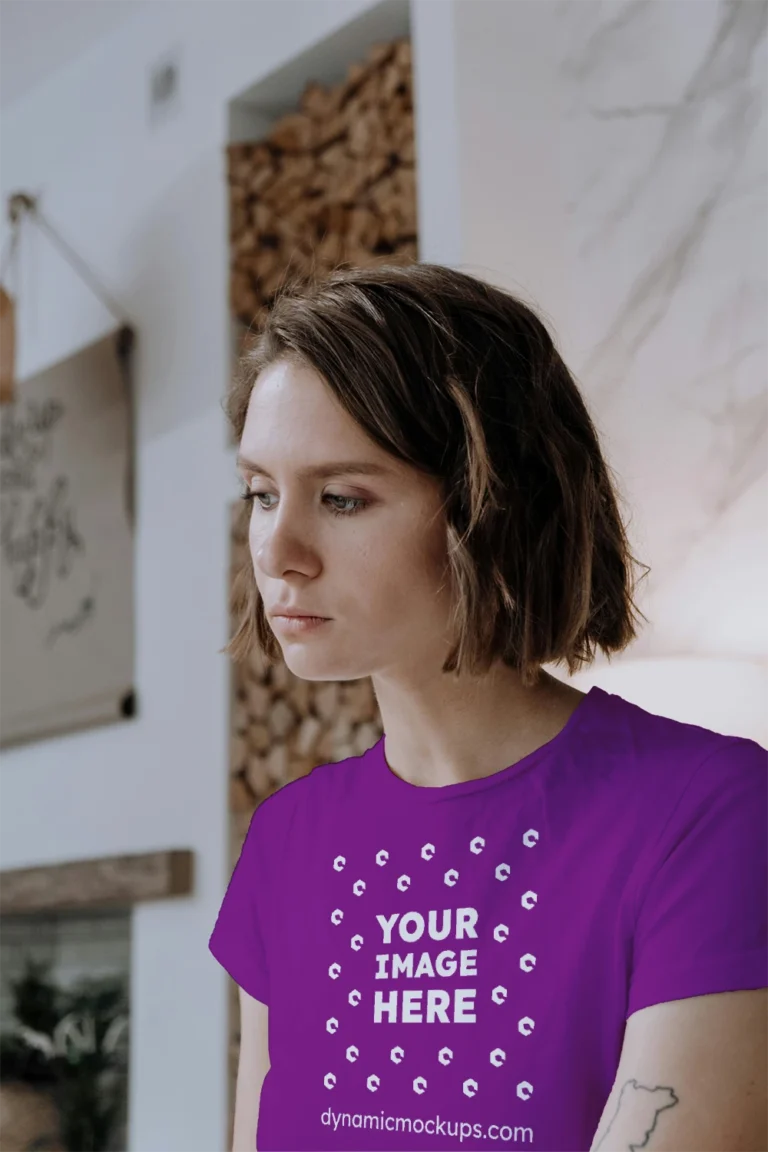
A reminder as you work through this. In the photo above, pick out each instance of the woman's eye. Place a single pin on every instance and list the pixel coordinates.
(249, 494)
(354, 503)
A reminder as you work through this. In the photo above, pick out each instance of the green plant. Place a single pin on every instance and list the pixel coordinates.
(76, 1041)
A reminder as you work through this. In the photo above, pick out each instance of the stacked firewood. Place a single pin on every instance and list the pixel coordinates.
(333, 183)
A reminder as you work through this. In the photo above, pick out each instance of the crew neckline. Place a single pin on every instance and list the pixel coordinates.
(397, 787)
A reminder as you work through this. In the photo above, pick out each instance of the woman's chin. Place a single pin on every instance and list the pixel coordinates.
(312, 665)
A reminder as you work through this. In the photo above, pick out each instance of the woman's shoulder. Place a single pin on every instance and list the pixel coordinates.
(304, 793)
(666, 763)
(627, 728)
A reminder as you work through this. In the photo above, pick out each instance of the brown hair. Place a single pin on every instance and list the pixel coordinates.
(462, 381)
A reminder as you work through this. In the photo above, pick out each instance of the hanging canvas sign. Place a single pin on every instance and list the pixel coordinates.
(7, 346)
(66, 545)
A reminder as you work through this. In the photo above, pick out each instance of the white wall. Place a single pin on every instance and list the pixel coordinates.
(607, 163)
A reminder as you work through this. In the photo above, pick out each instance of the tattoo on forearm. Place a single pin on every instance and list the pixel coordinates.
(644, 1105)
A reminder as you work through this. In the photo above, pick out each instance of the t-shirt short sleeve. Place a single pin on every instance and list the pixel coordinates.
(237, 940)
(702, 919)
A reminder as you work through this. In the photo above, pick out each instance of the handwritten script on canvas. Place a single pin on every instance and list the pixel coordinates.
(39, 537)
(66, 547)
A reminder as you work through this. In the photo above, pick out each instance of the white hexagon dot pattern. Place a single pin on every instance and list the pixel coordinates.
(497, 1056)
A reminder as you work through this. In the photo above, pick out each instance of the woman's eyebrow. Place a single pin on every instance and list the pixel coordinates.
(315, 471)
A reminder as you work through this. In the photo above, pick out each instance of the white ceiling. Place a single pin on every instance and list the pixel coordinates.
(37, 37)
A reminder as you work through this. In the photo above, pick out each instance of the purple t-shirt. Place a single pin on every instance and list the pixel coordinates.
(453, 967)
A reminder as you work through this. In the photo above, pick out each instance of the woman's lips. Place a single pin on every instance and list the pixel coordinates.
(300, 624)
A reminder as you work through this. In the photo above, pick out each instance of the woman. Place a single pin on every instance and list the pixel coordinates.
(446, 936)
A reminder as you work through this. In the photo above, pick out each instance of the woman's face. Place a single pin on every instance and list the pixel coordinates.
(365, 549)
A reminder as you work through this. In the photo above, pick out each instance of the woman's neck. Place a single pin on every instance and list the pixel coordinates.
(451, 729)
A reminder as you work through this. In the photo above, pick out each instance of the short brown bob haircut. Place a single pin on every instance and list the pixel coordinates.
(462, 381)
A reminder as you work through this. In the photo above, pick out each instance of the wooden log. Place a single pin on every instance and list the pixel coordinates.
(362, 137)
(260, 180)
(257, 775)
(330, 250)
(241, 796)
(380, 54)
(319, 102)
(294, 132)
(238, 752)
(366, 736)
(101, 882)
(326, 699)
(331, 130)
(282, 719)
(307, 735)
(281, 676)
(277, 763)
(258, 738)
(259, 697)
(363, 227)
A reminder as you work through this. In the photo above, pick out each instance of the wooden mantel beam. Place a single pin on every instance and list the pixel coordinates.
(104, 882)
